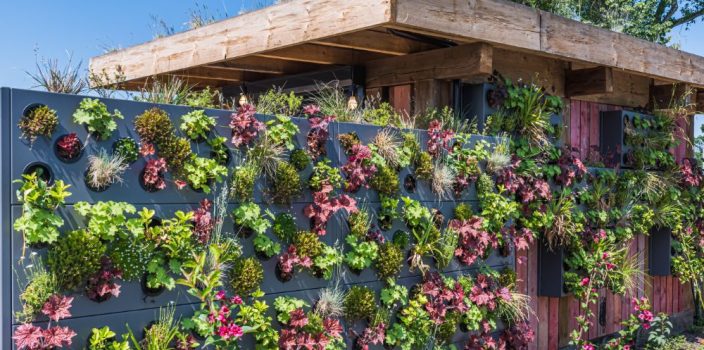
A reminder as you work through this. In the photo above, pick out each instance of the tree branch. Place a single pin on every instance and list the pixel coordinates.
(661, 8)
(672, 12)
(687, 18)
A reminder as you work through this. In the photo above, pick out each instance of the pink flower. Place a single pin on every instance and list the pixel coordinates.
(610, 266)
(236, 300)
(180, 184)
(220, 295)
(605, 256)
(311, 109)
(146, 149)
(585, 281)
(588, 347)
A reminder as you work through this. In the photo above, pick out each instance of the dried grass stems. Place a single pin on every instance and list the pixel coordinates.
(387, 143)
(442, 181)
(53, 77)
(105, 169)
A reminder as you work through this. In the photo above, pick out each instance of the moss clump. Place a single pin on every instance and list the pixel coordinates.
(39, 121)
(359, 303)
(424, 166)
(299, 159)
(385, 181)
(463, 211)
(75, 257)
(401, 239)
(359, 223)
(287, 183)
(246, 275)
(390, 261)
(243, 179)
(154, 126)
(285, 227)
(308, 244)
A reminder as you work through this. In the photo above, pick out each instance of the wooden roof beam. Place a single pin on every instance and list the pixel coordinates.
(668, 95)
(265, 65)
(374, 41)
(318, 54)
(460, 62)
(589, 81)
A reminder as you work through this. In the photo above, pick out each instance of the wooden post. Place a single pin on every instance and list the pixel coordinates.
(431, 93)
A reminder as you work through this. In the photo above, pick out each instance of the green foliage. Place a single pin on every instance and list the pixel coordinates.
(197, 125)
(299, 159)
(287, 183)
(243, 180)
(323, 173)
(176, 151)
(282, 131)
(131, 254)
(249, 215)
(218, 149)
(390, 261)
(126, 148)
(246, 275)
(401, 239)
(414, 213)
(308, 244)
(361, 254)
(154, 126)
(327, 260)
(205, 98)
(424, 166)
(385, 181)
(105, 339)
(388, 211)
(360, 303)
(107, 219)
(201, 172)
(394, 295)
(255, 315)
(158, 275)
(285, 227)
(39, 222)
(359, 223)
(95, 115)
(381, 115)
(275, 102)
(40, 121)
(265, 245)
(40, 285)
(284, 305)
(463, 211)
(497, 209)
(74, 257)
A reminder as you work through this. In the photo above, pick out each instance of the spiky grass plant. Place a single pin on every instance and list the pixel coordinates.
(442, 181)
(331, 301)
(500, 157)
(38, 285)
(387, 143)
(332, 100)
(161, 334)
(53, 77)
(516, 309)
(105, 169)
(266, 155)
(171, 90)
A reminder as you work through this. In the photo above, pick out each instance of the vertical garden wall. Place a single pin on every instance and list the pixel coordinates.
(139, 306)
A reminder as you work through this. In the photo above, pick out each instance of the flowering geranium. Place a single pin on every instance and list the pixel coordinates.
(325, 205)
(203, 221)
(359, 168)
(30, 337)
(245, 127)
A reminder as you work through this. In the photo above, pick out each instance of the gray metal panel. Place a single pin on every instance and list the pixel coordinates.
(5, 199)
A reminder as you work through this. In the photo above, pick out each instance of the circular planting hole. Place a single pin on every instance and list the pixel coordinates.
(148, 188)
(409, 183)
(90, 186)
(27, 111)
(42, 170)
(150, 292)
(68, 148)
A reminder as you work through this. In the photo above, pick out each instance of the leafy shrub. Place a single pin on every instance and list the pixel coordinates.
(266, 246)
(39, 223)
(107, 219)
(40, 121)
(41, 284)
(381, 115)
(243, 179)
(359, 223)
(131, 254)
(385, 181)
(176, 151)
(463, 211)
(299, 159)
(287, 183)
(104, 339)
(308, 244)
(390, 261)
(276, 102)
(326, 262)
(282, 131)
(248, 215)
(218, 149)
(197, 125)
(349, 140)
(246, 275)
(95, 115)
(126, 148)
(324, 174)
(201, 172)
(361, 254)
(205, 98)
(360, 303)
(154, 126)
(74, 257)
(285, 227)
(284, 305)
(424, 166)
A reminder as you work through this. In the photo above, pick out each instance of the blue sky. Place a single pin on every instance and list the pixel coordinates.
(86, 28)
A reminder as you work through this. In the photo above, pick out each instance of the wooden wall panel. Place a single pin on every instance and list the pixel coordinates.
(556, 317)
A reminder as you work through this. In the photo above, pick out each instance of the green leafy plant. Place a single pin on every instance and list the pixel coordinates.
(39, 121)
(390, 261)
(39, 222)
(243, 178)
(105, 339)
(388, 211)
(95, 115)
(246, 275)
(361, 254)
(266, 246)
(154, 126)
(248, 215)
(327, 260)
(158, 275)
(463, 211)
(284, 227)
(40, 285)
(385, 181)
(75, 257)
(359, 223)
(424, 166)
(205, 98)
(323, 173)
(308, 244)
(176, 151)
(382, 115)
(287, 183)
(282, 130)
(284, 305)
(197, 125)
(201, 172)
(108, 219)
(126, 148)
(276, 102)
(131, 254)
(219, 150)
(299, 159)
(360, 303)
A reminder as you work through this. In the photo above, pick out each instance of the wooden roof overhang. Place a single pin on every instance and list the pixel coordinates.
(398, 41)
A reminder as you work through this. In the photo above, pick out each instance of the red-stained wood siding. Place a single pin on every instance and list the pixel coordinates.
(555, 318)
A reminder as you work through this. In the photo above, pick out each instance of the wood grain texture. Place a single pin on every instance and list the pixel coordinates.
(589, 81)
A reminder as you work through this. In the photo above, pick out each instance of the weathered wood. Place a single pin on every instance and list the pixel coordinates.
(630, 90)
(319, 54)
(270, 28)
(589, 81)
(460, 62)
(546, 72)
(375, 41)
(266, 65)
(400, 97)
(431, 93)
(669, 95)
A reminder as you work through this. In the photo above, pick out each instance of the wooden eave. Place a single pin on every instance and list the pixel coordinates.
(305, 35)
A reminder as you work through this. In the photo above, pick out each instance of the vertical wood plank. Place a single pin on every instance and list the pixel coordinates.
(617, 311)
(594, 128)
(553, 323)
(575, 109)
(584, 116)
(656, 294)
(400, 98)
(670, 295)
(532, 285)
(610, 313)
(573, 313)
(544, 322)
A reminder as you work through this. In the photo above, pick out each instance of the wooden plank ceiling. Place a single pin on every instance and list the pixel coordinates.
(307, 35)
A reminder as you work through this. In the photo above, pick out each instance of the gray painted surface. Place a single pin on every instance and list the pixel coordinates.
(132, 306)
